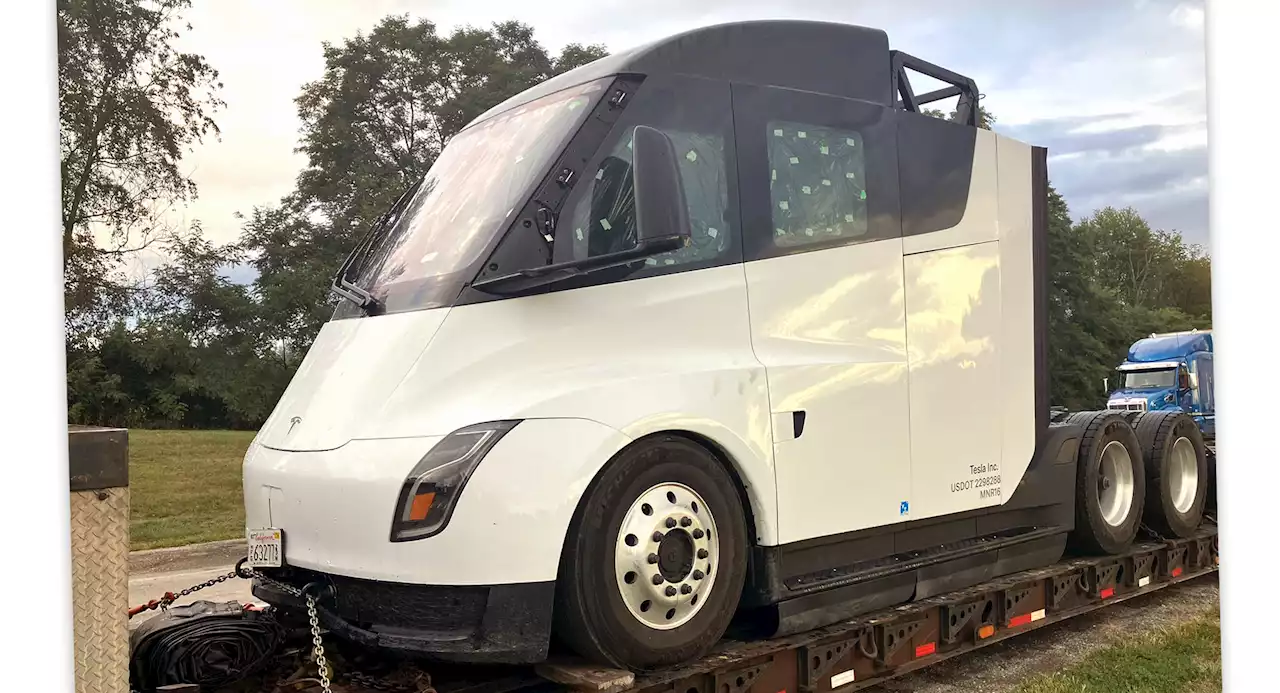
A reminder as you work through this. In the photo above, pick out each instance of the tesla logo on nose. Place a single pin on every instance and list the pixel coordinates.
(294, 422)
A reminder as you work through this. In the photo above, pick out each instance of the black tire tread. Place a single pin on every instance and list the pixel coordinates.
(1154, 429)
(1088, 536)
(577, 628)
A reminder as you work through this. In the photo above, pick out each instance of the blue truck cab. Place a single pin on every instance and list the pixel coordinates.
(1169, 371)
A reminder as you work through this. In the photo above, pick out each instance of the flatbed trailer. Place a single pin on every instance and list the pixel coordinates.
(871, 649)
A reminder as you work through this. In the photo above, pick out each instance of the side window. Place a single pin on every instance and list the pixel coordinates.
(818, 183)
(599, 217)
(604, 221)
(816, 171)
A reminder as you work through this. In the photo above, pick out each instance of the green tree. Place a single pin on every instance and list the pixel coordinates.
(1141, 265)
(985, 118)
(130, 105)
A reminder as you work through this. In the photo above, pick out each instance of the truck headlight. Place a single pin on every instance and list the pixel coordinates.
(431, 490)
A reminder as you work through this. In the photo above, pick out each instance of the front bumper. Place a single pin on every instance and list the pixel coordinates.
(508, 624)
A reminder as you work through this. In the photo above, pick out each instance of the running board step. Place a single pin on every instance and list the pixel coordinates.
(888, 566)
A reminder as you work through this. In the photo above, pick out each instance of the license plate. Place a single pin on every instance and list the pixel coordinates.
(266, 548)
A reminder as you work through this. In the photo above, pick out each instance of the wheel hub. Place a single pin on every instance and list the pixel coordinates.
(1184, 474)
(1115, 483)
(675, 556)
(666, 556)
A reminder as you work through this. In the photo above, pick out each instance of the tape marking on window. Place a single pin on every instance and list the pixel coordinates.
(691, 156)
(824, 149)
(712, 232)
(784, 205)
(604, 223)
(777, 132)
(795, 159)
(826, 182)
(806, 190)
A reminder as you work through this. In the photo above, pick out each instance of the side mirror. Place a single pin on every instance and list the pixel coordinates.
(662, 215)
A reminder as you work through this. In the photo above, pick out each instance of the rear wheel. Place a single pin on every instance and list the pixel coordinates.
(1110, 484)
(1177, 472)
(655, 558)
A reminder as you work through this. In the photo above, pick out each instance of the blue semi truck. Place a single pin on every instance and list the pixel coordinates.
(1173, 370)
(1169, 371)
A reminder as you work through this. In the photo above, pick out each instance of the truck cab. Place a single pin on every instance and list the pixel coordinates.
(720, 324)
(1169, 371)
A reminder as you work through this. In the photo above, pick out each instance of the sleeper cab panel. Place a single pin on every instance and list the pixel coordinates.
(1018, 310)
(953, 340)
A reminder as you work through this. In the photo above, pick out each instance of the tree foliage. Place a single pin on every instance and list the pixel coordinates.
(130, 105)
(198, 350)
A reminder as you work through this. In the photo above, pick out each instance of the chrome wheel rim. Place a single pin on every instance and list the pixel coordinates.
(666, 556)
(1184, 475)
(1115, 483)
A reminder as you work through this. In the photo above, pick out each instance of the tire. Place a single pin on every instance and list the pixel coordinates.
(593, 617)
(1177, 472)
(1105, 523)
(1211, 497)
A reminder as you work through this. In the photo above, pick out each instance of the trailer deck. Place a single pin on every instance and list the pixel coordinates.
(871, 649)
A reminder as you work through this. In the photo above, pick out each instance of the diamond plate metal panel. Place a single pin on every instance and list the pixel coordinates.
(100, 589)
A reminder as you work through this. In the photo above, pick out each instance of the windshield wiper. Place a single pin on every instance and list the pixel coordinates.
(342, 285)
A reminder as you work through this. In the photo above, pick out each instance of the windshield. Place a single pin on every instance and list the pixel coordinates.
(468, 197)
(1138, 380)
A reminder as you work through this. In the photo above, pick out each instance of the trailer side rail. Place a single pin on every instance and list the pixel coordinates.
(871, 649)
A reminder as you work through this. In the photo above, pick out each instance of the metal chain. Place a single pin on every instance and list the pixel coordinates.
(322, 665)
(196, 588)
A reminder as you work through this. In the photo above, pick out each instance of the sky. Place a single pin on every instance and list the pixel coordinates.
(1114, 88)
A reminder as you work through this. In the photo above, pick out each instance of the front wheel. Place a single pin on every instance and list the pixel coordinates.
(655, 558)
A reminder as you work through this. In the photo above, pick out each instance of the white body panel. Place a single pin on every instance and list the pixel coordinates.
(828, 327)
(638, 357)
(335, 507)
(350, 370)
(953, 337)
(1018, 340)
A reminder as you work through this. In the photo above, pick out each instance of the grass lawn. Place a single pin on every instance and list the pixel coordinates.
(185, 486)
(1182, 659)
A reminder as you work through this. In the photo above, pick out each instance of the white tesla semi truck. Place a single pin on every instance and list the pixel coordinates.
(718, 325)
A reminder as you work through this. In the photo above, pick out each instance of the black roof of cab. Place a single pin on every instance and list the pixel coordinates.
(824, 57)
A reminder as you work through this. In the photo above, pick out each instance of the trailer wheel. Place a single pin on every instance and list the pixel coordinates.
(655, 558)
(1110, 484)
(1177, 472)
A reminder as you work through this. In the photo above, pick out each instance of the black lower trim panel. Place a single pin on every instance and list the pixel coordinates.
(472, 624)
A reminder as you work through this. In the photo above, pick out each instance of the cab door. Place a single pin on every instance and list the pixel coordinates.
(823, 263)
